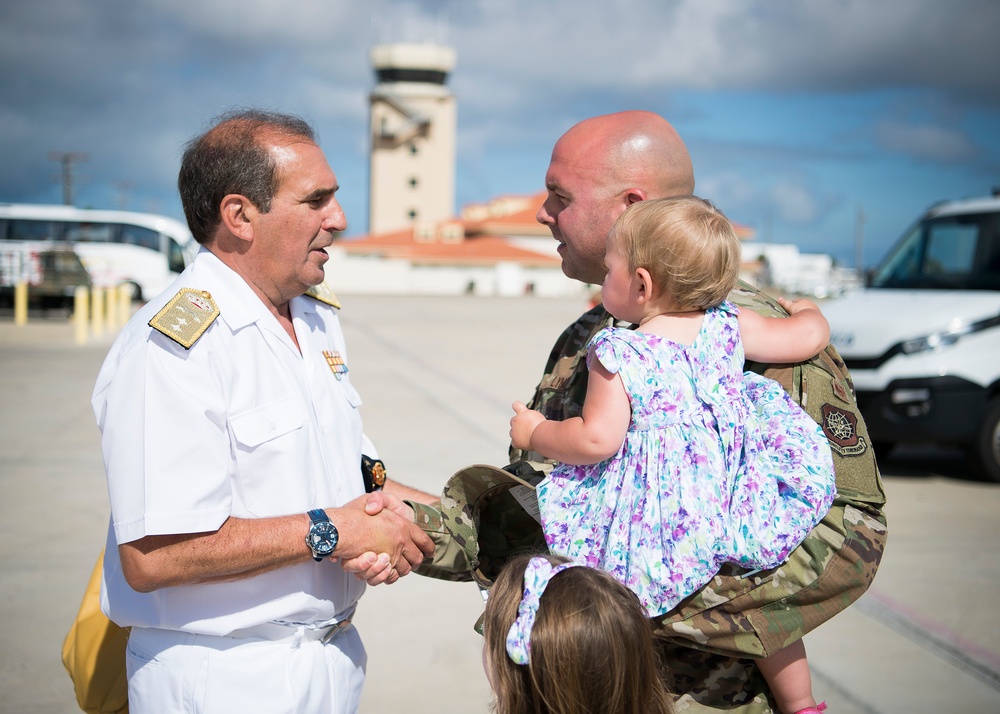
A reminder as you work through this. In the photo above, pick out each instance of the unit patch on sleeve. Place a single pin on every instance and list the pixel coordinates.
(186, 317)
(841, 428)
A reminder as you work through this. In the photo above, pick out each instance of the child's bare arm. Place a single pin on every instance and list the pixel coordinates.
(588, 439)
(801, 335)
(522, 424)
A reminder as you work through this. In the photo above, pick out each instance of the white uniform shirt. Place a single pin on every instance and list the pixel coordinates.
(241, 424)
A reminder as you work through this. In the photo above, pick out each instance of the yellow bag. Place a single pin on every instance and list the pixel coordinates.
(94, 654)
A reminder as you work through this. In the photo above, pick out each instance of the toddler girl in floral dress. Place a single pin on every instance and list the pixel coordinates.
(681, 462)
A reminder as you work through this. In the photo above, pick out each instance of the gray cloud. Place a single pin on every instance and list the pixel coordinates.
(934, 143)
(129, 80)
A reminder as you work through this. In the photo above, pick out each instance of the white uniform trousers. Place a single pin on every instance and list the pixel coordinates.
(171, 671)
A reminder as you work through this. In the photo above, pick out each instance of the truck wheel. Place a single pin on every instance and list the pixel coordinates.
(987, 447)
(883, 448)
(134, 290)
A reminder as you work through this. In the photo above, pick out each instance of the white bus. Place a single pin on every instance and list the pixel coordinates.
(143, 250)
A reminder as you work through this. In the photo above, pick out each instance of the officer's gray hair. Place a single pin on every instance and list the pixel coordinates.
(232, 157)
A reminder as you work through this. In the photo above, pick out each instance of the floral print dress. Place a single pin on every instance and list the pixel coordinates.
(717, 467)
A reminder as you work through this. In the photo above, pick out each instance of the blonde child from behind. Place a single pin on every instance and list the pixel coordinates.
(561, 638)
(680, 463)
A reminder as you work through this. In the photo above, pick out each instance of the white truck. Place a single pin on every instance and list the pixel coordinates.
(922, 341)
(51, 271)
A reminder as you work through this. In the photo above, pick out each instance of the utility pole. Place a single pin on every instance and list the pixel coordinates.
(859, 240)
(66, 159)
(121, 198)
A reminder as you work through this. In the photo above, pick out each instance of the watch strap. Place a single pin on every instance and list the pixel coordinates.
(318, 515)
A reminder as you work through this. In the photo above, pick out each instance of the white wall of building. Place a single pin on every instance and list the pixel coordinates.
(790, 273)
(794, 273)
(372, 275)
(412, 131)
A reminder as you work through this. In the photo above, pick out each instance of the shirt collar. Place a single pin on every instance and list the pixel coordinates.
(239, 305)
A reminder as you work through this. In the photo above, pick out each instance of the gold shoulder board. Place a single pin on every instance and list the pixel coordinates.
(186, 317)
(323, 293)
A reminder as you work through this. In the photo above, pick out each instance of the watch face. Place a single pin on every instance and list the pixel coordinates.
(323, 538)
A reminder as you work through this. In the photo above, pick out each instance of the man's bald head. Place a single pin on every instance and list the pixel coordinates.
(599, 168)
(637, 149)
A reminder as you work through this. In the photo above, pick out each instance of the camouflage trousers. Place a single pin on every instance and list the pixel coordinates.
(708, 642)
(760, 614)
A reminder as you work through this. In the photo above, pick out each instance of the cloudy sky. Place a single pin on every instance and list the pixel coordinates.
(798, 113)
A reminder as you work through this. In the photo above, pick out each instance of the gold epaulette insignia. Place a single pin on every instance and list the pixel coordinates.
(323, 293)
(186, 317)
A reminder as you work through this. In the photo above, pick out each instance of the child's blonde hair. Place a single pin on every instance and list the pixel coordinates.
(688, 246)
(591, 646)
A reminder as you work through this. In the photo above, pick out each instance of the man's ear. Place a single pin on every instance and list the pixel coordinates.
(634, 195)
(237, 215)
(645, 285)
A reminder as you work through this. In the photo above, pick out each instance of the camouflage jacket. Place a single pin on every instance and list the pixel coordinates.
(821, 386)
(709, 639)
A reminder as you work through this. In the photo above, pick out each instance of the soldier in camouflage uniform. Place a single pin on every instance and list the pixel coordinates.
(734, 617)
(597, 169)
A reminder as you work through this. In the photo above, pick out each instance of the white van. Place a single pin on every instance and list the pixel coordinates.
(923, 341)
(143, 250)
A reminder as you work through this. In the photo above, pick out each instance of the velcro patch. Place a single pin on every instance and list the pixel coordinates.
(186, 317)
(840, 391)
(561, 372)
(841, 428)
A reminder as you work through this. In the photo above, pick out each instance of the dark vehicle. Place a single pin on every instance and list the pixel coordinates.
(52, 272)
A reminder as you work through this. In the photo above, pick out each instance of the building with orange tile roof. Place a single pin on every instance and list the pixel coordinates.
(496, 248)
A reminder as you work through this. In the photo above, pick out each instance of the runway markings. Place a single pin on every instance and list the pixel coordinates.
(845, 693)
(966, 656)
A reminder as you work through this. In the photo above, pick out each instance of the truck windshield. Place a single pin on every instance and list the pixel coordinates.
(960, 252)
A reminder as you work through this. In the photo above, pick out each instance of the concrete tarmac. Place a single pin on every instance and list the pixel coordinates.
(438, 376)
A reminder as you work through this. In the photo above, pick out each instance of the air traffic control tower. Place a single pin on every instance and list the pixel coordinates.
(412, 159)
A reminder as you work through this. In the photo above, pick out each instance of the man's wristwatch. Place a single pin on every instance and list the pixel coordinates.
(323, 535)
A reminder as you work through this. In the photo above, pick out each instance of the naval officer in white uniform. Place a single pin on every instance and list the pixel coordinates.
(232, 444)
